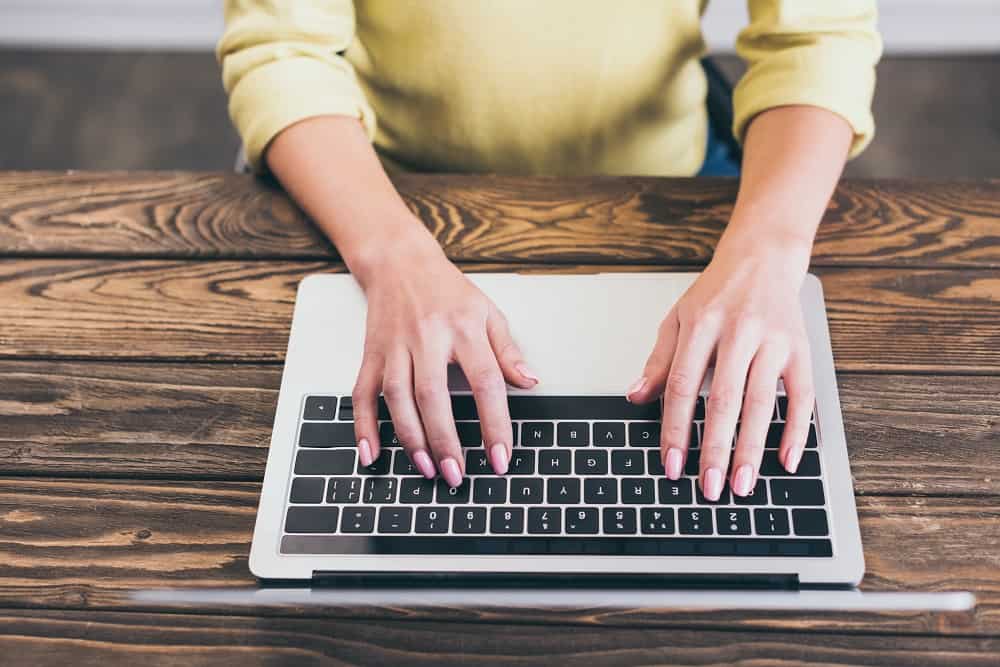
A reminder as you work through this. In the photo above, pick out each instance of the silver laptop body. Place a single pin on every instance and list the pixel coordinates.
(584, 335)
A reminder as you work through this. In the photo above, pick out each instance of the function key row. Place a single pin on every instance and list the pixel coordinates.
(555, 521)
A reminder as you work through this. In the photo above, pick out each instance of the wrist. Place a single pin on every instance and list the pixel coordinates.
(778, 247)
(392, 249)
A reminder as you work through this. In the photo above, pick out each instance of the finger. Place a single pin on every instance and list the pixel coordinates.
(722, 408)
(758, 408)
(364, 399)
(695, 343)
(397, 387)
(507, 353)
(475, 356)
(430, 386)
(654, 373)
(801, 398)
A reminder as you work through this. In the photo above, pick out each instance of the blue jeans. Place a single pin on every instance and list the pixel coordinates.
(719, 161)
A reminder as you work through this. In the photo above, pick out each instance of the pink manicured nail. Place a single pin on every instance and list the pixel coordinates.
(522, 368)
(712, 484)
(365, 452)
(636, 386)
(744, 480)
(424, 464)
(792, 460)
(674, 463)
(498, 459)
(451, 472)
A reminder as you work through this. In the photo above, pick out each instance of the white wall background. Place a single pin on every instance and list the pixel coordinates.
(908, 26)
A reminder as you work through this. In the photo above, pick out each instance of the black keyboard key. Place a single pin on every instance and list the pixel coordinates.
(463, 407)
(536, 434)
(544, 520)
(810, 522)
(774, 434)
(811, 438)
(401, 465)
(732, 521)
(458, 494)
(307, 489)
(379, 466)
(692, 464)
(331, 462)
(573, 434)
(771, 521)
(694, 521)
(675, 493)
(321, 408)
(387, 435)
(522, 462)
(395, 519)
(477, 462)
(563, 491)
(527, 490)
(311, 520)
(343, 490)
(590, 462)
(783, 406)
(628, 462)
(702, 500)
(609, 434)
(638, 491)
(469, 520)
(644, 434)
(346, 409)
(358, 520)
(489, 490)
(657, 520)
(507, 520)
(432, 520)
(380, 490)
(797, 492)
(580, 407)
(469, 434)
(770, 466)
(327, 434)
(582, 520)
(654, 463)
(554, 463)
(757, 496)
(416, 490)
(699, 408)
(619, 520)
(600, 491)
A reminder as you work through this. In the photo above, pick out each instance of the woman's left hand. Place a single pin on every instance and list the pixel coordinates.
(744, 312)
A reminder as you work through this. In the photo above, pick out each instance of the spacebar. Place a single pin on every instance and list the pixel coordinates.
(556, 545)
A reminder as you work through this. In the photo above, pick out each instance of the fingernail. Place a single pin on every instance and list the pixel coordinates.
(522, 368)
(451, 472)
(792, 460)
(498, 459)
(365, 452)
(744, 480)
(674, 463)
(424, 464)
(636, 386)
(712, 484)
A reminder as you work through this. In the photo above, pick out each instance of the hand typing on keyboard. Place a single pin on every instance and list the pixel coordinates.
(744, 312)
(423, 314)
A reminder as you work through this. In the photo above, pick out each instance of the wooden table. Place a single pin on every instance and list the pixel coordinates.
(143, 322)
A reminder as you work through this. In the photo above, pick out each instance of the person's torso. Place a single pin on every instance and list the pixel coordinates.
(553, 87)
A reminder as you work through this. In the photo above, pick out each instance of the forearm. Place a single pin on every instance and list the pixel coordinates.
(793, 158)
(330, 169)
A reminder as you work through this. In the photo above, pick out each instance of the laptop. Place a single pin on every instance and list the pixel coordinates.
(324, 518)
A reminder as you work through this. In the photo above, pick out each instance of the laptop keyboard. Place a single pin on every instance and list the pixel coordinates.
(585, 476)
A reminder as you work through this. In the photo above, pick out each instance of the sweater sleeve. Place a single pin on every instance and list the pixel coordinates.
(820, 53)
(282, 62)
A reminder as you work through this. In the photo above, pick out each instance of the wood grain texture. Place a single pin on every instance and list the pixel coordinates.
(68, 637)
(906, 434)
(888, 320)
(488, 218)
(72, 543)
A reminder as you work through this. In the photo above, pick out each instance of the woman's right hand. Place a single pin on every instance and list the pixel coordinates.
(423, 314)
